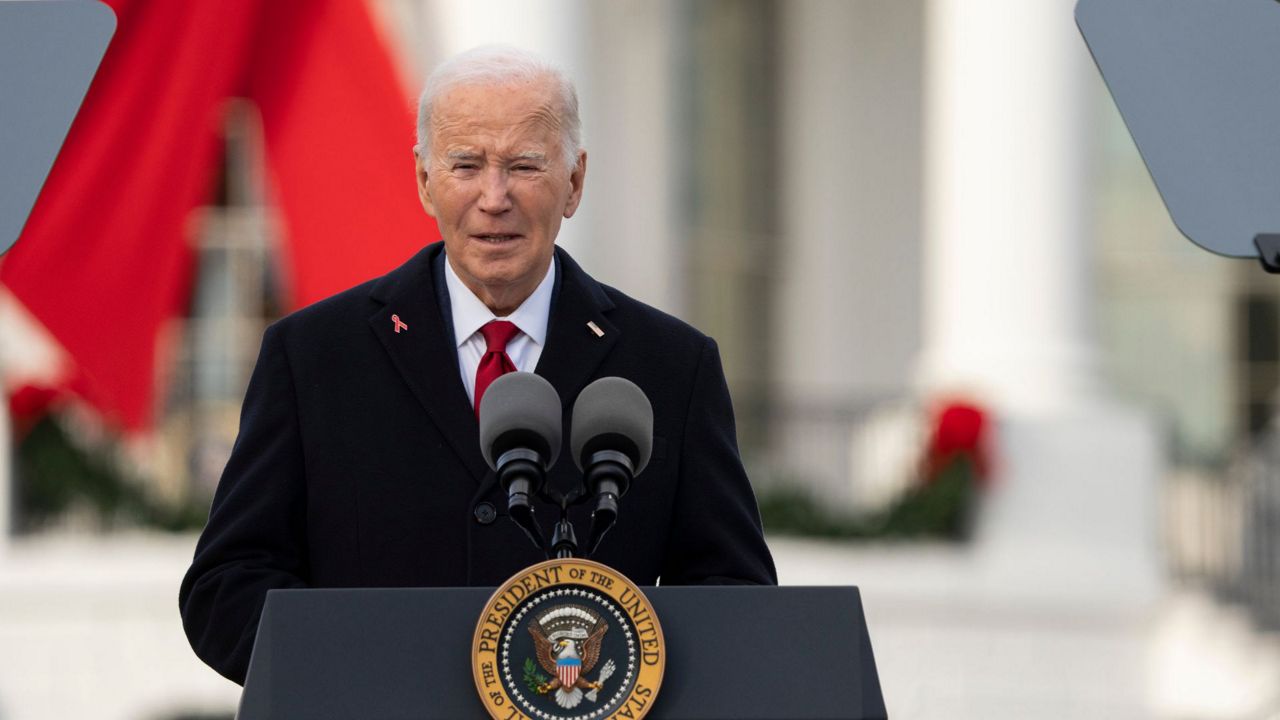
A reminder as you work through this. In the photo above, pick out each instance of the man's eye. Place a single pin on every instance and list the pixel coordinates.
(464, 166)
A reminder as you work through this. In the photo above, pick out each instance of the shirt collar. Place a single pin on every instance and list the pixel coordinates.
(470, 314)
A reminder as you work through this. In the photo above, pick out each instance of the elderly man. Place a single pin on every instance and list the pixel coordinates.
(358, 461)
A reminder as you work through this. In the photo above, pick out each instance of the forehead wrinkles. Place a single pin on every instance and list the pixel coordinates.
(542, 118)
(496, 121)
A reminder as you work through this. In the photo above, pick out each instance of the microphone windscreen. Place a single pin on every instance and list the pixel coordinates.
(520, 409)
(612, 414)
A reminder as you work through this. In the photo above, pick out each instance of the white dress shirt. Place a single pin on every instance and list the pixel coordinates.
(470, 314)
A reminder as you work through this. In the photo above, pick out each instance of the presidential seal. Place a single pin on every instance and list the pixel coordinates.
(568, 639)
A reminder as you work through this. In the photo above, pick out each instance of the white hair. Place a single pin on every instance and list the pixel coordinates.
(502, 65)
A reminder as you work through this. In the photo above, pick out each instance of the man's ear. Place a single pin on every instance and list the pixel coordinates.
(420, 164)
(576, 179)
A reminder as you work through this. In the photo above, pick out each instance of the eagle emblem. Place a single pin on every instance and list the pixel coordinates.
(567, 639)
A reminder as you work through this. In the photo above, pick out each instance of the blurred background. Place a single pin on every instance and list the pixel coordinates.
(977, 371)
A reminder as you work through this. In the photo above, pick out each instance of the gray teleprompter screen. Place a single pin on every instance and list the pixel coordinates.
(1197, 84)
(49, 51)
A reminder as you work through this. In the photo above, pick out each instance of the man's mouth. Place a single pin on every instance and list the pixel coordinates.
(495, 238)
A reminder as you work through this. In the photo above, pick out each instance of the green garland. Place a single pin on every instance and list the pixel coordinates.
(55, 475)
(944, 508)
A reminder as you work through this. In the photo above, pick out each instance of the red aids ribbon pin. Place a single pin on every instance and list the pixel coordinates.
(399, 325)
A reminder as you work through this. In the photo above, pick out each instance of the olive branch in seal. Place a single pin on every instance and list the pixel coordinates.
(532, 678)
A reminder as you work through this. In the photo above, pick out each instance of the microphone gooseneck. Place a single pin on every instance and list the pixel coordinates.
(611, 437)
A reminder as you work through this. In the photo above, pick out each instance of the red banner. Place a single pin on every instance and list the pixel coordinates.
(106, 257)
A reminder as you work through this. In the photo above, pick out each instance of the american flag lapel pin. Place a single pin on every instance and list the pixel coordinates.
(398, 325)
(594, 328)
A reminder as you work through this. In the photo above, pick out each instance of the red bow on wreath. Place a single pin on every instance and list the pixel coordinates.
(960, 431)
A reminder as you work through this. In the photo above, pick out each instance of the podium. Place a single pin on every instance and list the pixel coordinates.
(739, 652)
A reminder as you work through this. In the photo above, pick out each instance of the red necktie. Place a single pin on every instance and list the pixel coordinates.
(495, 363)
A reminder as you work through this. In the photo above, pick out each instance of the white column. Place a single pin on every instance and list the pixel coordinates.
(629, 234)
(849, 276)
(850, 195)
(1008, 299)
(1007, 292)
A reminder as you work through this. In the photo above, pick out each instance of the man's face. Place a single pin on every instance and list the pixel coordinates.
(498, 186)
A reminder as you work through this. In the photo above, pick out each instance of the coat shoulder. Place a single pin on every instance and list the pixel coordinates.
(655, 325)
(354, 301)
(354, 306)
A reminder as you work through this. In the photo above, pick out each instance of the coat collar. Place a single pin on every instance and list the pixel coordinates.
(426, 358)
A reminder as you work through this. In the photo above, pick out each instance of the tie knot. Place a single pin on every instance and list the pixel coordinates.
(497, 333)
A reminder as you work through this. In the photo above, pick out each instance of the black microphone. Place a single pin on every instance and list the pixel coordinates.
(611, 438)
(520, 435)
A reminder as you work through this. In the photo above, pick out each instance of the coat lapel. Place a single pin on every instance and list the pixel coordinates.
(425, 354)
(574, 350)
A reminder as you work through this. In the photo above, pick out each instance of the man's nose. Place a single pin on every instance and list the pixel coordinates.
(495, 190)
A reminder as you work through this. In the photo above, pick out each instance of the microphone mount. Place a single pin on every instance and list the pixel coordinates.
(521, 473)
(564, 541)
(608, 477)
